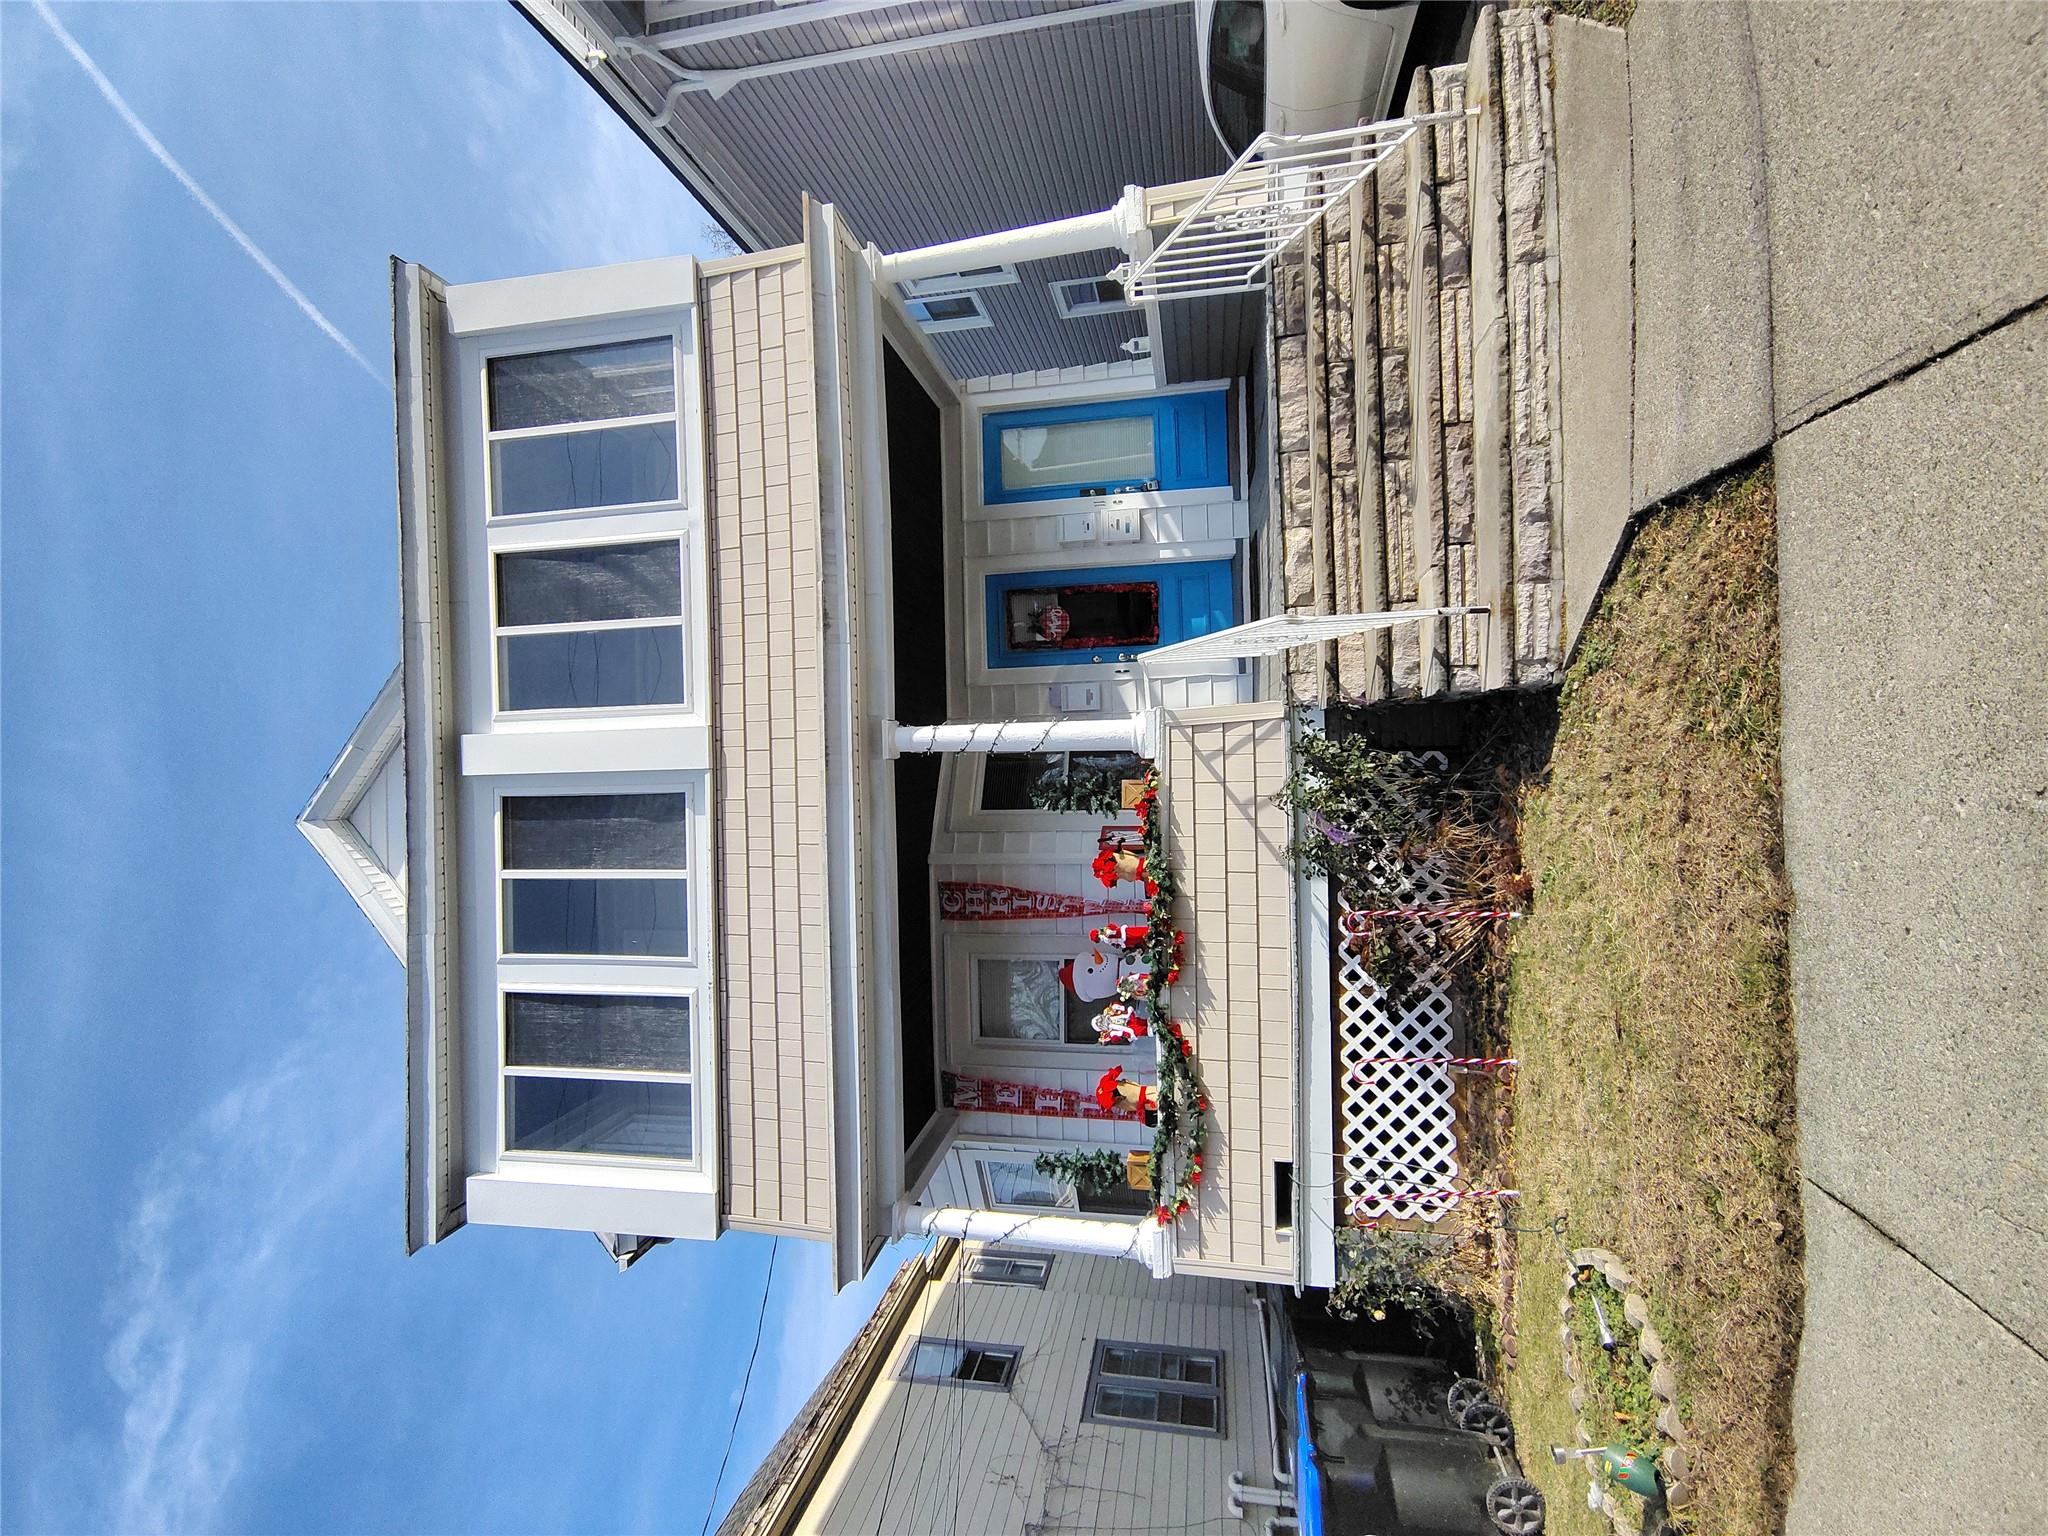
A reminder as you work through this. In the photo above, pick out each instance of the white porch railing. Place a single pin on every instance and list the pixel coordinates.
(1283, 631)
(1259, 207)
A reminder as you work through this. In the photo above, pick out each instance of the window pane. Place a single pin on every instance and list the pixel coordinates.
(1195, 1412)
(1025, 1000)
(623, 1033)
(986, 1365)
(543, 389)
(1117, 1200)
(935, 1359)
(592, 669)
(1127, 1403)
(559, 1114)
(591, 586)
(597, 832)
(1081, 617)
(565, 471)
(596, 917)
(1009, 779)
(1106, 452)
(1022, 1184)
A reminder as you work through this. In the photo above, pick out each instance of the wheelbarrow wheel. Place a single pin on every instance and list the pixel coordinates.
(1491, 1420)
(1463, 1393)
(1515, 1506)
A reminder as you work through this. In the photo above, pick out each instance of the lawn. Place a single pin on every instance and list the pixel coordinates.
(1647, 1001)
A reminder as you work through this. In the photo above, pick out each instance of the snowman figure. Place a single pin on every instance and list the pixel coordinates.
(1094, 974)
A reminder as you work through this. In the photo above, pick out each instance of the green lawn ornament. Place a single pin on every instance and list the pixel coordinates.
(1634, 1470)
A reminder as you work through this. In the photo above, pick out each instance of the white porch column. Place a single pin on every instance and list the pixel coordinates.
(1116, 227)
(1125, 733)
(1146, 1241)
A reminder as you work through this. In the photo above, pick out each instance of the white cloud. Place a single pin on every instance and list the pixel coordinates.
(205, 1279)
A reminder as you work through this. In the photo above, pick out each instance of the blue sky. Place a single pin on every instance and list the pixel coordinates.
(206, 1319)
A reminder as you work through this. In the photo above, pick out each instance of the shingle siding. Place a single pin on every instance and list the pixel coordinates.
(1228, 838)
(767, 627)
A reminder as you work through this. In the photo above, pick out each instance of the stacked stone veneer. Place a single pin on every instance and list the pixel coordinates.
(1529, 147)
(1383, 417)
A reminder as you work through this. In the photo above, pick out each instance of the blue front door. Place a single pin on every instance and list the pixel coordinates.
(1095, 614)
(1154, 443)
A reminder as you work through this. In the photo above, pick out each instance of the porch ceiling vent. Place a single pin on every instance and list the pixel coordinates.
(1260, 206)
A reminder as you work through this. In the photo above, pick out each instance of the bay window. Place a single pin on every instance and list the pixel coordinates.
(578, 566)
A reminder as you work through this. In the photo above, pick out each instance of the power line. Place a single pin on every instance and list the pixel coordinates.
(746, 1381)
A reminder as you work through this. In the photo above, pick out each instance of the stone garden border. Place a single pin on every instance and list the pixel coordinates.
(1675, 1457)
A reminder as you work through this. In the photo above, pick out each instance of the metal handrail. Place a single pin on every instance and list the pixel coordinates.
(1274, 191)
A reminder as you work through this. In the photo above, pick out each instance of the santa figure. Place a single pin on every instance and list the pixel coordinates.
(1120, 1024)
(1127, 937)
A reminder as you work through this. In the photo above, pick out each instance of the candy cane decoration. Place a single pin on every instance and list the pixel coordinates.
(1354, 920)
(1448, 1063)
(1447, 1195)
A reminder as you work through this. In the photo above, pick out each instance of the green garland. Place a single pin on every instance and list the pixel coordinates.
(1096, 1172)
(1183, 1112)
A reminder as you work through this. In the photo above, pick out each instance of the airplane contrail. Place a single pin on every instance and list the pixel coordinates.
(155, 146)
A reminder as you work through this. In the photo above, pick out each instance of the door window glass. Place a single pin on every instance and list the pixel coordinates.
(1114, 450)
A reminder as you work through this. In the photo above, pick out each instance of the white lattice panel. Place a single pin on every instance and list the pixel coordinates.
(1396, 1127)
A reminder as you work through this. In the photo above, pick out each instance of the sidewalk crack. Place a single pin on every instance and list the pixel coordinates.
(2003, 1326)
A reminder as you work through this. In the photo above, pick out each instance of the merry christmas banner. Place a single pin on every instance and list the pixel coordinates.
(962, 901)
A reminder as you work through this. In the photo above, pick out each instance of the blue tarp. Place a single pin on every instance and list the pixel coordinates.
(1308, 1473)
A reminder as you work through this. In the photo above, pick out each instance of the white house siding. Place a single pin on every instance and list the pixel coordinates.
(379, 817)
(924, 1457)
(770, 814)
(1228, 841)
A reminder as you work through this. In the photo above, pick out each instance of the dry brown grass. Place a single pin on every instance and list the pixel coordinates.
(1648, 1003)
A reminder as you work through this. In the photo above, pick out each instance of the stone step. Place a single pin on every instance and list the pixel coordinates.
(1413, 339)
(1528, 398)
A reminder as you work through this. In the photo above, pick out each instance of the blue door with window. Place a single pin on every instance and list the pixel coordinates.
(1096, 614)
(1153, 443)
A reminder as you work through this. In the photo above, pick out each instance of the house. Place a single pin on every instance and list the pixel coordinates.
(760, 634)
(999, 1389)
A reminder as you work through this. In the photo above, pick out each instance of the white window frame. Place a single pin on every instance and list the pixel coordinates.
(964, 952)
(685, 976)
(979, 1157)
(683, 621)
(672, 416)
(918, 310)
(995, 275)
(582, 528)
(1072, 308)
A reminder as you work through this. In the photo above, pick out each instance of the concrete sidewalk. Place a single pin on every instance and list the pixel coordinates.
(1839, 250)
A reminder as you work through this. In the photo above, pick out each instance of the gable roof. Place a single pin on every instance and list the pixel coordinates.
(356, 818)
